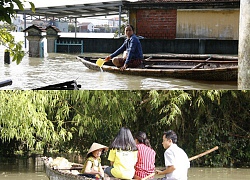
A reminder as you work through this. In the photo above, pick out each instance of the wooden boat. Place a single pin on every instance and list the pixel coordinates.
(54, 173)
(68, 85)
(5, 83)
(63, 174)
(195, 67)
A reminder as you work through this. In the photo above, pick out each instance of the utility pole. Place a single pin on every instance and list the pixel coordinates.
(244, 46)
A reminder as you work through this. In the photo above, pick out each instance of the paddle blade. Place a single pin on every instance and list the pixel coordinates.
(100, 62)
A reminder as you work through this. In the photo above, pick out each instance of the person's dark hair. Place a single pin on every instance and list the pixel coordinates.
(132, 27)
(170, 134)
(142, 138)
(124, 140)
(89, 155)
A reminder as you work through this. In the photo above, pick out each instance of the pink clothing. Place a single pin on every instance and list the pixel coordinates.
(145, 161)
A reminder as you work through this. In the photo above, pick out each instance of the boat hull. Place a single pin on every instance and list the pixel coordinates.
(56, 174)
(223, 73)
(61, 174)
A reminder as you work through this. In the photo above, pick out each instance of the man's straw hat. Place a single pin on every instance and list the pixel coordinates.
(96, 146)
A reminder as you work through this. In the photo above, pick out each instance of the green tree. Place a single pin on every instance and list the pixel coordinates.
(7, 12)
(71, 28)
(122, 28)
(8, 27)
(23, 119)
(48, 119)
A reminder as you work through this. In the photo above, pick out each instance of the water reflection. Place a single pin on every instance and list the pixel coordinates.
(57, 68)
(22, 169)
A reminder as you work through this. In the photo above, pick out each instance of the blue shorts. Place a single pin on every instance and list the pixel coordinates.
(108, 171)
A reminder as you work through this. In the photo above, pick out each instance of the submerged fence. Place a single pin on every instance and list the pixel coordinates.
(184, 46)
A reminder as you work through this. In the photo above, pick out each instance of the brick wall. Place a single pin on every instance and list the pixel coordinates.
(161, 21)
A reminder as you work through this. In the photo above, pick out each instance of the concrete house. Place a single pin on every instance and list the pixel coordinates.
(171, 19)
(86, 27)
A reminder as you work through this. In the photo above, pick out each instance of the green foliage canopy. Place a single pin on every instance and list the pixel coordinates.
(72, 120)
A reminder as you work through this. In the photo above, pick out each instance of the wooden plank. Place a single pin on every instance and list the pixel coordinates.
(192, 60)
(201, 64)
(191, 56)
(167, 67)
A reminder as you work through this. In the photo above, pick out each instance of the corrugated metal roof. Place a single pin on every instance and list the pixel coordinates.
(104, 8)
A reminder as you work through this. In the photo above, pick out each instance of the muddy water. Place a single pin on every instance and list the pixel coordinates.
(33, 169)
(56, 68)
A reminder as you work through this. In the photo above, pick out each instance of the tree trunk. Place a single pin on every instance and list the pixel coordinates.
(244, 46)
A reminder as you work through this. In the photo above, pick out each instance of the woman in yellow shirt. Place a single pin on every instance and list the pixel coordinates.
(122, 155)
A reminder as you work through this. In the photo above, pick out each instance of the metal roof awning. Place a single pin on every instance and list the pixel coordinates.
(84, 10)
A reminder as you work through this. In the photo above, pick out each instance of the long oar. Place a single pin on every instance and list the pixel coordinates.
(204, 153)
(190, 159)
(148, 176)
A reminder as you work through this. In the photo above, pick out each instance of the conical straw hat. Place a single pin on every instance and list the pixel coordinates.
(96, 146)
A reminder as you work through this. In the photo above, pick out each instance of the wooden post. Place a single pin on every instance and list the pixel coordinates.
(6, 57)
(244, 46)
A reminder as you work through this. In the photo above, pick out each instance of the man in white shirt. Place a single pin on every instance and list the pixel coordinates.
(176, 160)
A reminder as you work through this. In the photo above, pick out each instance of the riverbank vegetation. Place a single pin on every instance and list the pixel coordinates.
(70, 121)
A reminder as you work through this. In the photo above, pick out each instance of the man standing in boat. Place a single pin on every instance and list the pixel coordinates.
(132, 46)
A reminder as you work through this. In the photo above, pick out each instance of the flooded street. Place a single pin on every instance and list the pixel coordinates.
(56, 68)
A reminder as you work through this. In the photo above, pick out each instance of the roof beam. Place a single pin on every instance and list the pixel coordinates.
(78, 10)
(181, 5)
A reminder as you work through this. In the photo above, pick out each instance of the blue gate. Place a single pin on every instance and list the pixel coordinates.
(41, 49)
(69, 46)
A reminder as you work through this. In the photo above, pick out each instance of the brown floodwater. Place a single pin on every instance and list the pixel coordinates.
(56, 68)
(33, 169)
